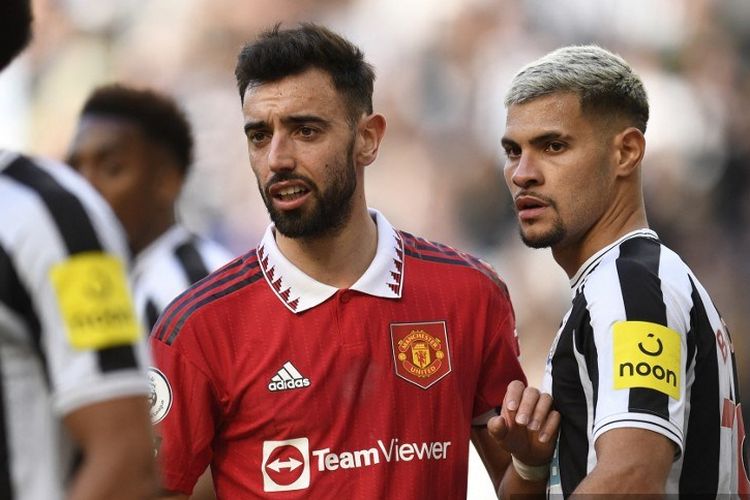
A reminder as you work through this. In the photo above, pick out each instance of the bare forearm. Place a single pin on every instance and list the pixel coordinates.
(630, 462)
(624, 484)
(172, 496)
(116, 441)
(100, 479)
(513, 484)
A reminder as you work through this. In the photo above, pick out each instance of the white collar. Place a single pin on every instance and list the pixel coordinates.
(299, 292)
(577, 280)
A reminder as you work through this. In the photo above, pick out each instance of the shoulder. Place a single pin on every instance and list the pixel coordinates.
(52, 205)
(213, 253)
(642, 279)
(196, 250)
(207, 294)
(638, 264)
(448, 259)
(54, 184)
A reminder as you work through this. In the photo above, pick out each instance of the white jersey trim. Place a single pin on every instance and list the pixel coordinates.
(587, 267)
(300, 292)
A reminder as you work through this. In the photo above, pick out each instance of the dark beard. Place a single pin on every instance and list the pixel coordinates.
(546, 240)
(332, 209)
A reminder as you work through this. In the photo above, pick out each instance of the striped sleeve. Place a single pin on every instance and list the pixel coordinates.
(71, 263)
(640, 342)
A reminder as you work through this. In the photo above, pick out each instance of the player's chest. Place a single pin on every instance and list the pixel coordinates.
(352, 361)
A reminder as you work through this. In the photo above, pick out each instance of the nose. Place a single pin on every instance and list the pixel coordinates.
(525, 172)
(281, 153)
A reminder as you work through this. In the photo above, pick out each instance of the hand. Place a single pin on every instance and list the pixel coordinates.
(527, 426)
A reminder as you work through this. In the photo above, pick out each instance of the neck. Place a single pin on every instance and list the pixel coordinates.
(160, 225)
(337, 260)
(613, 226)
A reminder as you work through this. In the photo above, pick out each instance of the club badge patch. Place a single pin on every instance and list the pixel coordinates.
(420, 352)
(161, 395)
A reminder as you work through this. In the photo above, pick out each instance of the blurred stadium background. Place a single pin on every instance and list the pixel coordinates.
(443, 67)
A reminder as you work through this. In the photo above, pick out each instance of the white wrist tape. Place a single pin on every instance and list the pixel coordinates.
(530, 472)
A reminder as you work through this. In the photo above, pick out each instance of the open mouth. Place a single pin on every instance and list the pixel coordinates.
(290, 193)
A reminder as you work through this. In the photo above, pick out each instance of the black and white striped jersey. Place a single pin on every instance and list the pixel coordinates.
(68, 332)
(643, 346)
(168, 266)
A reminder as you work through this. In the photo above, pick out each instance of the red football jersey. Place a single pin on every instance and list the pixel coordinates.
(290, 388)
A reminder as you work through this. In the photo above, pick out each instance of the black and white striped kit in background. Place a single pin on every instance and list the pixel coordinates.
(168, 266)
(68, 332)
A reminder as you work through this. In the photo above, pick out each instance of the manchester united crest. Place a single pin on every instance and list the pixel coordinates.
(420, 352)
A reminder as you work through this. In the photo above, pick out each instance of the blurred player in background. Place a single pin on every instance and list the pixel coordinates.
(73, 409)
(341, 357)
(642, 369)
(135, 146)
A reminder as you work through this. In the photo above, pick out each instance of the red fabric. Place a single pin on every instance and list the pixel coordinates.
(378, 427)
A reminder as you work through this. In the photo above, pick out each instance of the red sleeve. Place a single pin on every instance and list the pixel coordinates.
(500, 364)
(185, 425)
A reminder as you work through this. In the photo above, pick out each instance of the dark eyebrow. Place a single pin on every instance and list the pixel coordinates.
(255, 125)
(545, 138)
(299, 119)
(538, 140)
(508, 143)
(289, 120)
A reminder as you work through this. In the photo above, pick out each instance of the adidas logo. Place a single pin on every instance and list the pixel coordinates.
(287, 378)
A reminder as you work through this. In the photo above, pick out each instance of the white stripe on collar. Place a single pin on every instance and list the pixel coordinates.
(591, 262)
(300, 292)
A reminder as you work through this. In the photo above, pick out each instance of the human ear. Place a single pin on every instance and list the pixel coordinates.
(630, 145)
(370, 132)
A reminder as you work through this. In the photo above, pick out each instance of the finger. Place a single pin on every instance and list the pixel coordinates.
(513, 395)
(542, 409)
(550, 428)
(526, 406)
(497, 427)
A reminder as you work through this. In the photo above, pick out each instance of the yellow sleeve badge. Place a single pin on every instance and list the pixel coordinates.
(95, 302)
(647, 355)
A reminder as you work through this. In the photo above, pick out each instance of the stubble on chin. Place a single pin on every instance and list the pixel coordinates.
(547, 239)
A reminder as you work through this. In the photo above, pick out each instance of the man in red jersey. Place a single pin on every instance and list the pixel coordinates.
(341, 357)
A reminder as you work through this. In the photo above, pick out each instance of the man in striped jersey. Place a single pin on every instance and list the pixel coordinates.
(341, 357)
(74, 418)
(135, 147)
(642, 369)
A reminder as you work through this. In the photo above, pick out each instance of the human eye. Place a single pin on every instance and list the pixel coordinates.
(307, 132)
(257, 137)
(555, 147)
(512, 151)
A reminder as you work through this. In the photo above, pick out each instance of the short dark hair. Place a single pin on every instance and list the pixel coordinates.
(158, 116)
(15, 29)
(278, 53)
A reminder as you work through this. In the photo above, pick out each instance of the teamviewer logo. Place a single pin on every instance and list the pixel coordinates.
(286, 465)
